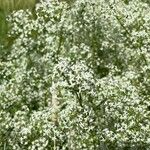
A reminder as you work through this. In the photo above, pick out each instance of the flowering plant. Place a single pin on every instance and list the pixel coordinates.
(76, 76)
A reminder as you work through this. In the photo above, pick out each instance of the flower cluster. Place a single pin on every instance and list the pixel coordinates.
(77, 76)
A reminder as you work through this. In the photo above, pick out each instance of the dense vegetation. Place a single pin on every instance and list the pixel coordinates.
(76, 76)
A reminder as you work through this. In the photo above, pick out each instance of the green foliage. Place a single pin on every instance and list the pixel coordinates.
(11, 5)
(76, 77)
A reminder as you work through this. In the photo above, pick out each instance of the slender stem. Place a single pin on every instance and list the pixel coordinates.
(5, 146)
(54, 142)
